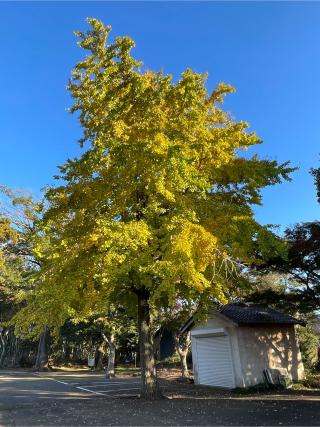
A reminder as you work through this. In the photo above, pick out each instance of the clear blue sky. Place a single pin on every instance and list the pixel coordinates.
(269, 51)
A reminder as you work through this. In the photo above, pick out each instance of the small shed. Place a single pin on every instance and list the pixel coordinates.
(239, 341)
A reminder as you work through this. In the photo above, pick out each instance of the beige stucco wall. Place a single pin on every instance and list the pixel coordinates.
(273, 347)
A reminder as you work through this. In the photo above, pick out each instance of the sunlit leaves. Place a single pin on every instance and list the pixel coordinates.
(162, 197)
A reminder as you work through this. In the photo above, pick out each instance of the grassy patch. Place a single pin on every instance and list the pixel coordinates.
(311, 382)
(126, 370)
(171, 360)
(69, 368)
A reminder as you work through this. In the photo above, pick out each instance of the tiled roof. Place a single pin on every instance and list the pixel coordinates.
(249, 313)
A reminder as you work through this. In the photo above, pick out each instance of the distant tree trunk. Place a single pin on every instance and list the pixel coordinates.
(3, 339)
(157, 344)
(150, 389)
(101, 352)
(111, 354)
(182, 344)
(42, 354)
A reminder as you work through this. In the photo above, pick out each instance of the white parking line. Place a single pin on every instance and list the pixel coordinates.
(64, 383)
(94, 385)
(61, 382)
(52, 379)
(73, 384)
(90, 391)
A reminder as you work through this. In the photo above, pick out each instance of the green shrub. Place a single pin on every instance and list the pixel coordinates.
(258, 388)
(174, 359)
(312, 381)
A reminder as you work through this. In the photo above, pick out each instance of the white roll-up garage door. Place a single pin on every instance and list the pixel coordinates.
(214, 361)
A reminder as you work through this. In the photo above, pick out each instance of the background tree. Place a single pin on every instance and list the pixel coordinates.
(159, 206)
(114, 325)
(172, 318)
(300, 267)
(309, 339)
(316, 174)
(98, 336)
(18, 214)
(275, 289)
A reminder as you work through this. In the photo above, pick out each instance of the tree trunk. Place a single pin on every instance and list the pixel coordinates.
(182, 345)
(3, 339)
(42, 355)
(150, 389)
(101, 354)
(111, 356)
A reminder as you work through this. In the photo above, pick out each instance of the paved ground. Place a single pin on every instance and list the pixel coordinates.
(95, 384)
(78, 399)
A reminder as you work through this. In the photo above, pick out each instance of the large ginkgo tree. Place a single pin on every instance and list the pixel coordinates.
(159, 205)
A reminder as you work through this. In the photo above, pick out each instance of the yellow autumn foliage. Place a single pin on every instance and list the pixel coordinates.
(160, 197)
